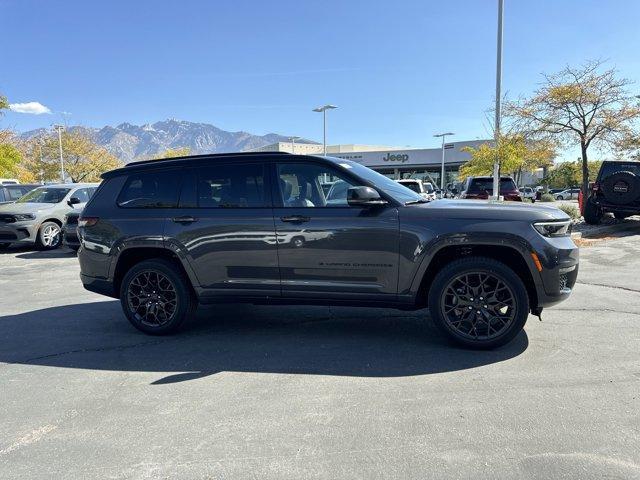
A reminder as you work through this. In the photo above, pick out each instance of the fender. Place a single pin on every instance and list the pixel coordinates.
(501, 239)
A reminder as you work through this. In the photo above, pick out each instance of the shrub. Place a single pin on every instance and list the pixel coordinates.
(547, 197)
(571, 210)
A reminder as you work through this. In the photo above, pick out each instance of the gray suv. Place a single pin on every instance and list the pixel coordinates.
(166, 235)
(37, 217)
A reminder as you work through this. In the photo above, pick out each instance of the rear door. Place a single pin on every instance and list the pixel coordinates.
(224, 228)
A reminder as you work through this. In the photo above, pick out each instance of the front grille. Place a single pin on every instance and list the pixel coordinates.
(5, 218)
(564, 281)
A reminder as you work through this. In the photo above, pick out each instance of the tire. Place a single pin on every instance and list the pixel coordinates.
(592, 213)
(621, 215)
(473, 329)
(49, 236)
(175, 299)
(621, 188)
(559, 197)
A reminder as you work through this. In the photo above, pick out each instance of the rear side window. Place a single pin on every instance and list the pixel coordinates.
(231, 186)
(151, 190)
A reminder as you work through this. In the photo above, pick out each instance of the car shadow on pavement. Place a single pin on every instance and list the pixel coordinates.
(242, 338)
(40, 254)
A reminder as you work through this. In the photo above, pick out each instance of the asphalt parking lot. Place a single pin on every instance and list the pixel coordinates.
(315, 392)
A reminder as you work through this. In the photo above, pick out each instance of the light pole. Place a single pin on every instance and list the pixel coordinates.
(443, 135)
(59, 129)
(293, 144)
(324, 109)
(496, 165)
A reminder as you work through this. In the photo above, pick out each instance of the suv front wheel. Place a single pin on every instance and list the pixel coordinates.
(479, 302)
(49, 236)
(156, 298)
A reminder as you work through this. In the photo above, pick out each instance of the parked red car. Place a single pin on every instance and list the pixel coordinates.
(481, 188)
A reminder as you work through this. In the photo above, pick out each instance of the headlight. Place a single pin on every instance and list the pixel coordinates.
(553, 229)
(20, 217)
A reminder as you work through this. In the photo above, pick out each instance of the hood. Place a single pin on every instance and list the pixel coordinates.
(484, 210)
(26, 207)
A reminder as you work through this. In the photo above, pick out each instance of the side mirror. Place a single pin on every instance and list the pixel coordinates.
(364, 196)
(73, 201)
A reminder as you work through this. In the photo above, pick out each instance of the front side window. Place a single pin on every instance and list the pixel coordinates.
(151, 190)
(82, 195)
(301, 185)
(45, 195)
(231, 186)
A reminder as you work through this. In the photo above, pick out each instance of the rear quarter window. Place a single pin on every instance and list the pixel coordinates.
(153, 189)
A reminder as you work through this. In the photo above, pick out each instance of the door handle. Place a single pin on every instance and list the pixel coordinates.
(184, 219)
(295, 219)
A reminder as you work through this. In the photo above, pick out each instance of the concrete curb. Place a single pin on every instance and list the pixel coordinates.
(613, 228)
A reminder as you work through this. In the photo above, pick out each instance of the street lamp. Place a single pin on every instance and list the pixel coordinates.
(293, 144)
(443, 135)
(59, 129)
(324, 109)
(496, 165)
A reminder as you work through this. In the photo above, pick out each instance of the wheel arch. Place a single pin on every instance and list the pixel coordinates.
(131, 256)
(509, 255)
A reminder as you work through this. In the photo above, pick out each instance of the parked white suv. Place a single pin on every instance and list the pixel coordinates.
(425, 189)
(38, 216)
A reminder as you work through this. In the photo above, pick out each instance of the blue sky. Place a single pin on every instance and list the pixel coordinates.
(399, 71)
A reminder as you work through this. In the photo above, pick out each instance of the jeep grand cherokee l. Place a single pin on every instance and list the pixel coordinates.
(165, 235)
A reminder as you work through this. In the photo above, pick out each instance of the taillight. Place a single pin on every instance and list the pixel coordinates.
(595, 186)
(87, 221)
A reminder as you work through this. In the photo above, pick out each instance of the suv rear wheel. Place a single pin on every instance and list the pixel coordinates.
(592, 212)
(479, 302)
(156, 297)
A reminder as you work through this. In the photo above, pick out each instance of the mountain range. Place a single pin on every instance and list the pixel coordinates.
(130, 142)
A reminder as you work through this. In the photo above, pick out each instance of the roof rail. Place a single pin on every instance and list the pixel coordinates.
(203, 156)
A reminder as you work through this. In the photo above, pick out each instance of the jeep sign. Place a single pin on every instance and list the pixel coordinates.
(400, 157)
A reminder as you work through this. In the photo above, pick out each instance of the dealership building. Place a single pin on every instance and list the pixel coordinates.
(397, 163)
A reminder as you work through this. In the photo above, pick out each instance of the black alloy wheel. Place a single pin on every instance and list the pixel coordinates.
(156, 298)
(479, 302)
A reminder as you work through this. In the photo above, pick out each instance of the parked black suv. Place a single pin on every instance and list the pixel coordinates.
(616, 190)
(165, 235)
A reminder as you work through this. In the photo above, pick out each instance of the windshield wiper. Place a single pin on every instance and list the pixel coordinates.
(413, 202)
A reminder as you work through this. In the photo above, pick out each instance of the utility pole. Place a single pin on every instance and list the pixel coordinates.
(59, 129)
(496, 166)
(324, 109)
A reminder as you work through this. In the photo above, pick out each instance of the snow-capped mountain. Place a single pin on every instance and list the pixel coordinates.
(129, 142)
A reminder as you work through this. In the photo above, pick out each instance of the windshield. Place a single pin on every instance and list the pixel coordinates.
(45, 195)
(398, 192)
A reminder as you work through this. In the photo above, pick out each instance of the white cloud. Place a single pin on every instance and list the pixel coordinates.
(33, 108)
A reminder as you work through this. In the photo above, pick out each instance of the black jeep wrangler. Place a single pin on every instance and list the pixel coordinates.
(616, 190)
(166, 235)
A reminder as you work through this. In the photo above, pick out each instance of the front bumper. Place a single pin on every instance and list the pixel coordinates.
(560, 259)
(70, 236)
(19, 232)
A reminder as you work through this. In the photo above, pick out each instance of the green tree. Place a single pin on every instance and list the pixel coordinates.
(586, 105)
(569, 174)
(10, 155)
(175, 152)
(4, 104)
(516, 155)
(84, 160)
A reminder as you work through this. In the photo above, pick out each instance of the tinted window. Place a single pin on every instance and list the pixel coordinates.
(609, 168)
(300, 185)
(480, 185)
(412, 186)
(14, 193)
(151, 190)
(231, 186)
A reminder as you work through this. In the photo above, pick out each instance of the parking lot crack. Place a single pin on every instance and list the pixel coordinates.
(609, 286)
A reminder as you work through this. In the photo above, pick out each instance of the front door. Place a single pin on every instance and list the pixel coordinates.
(326, 248)
(224, 228)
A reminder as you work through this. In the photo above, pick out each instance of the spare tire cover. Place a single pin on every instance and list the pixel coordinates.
(621, 187)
